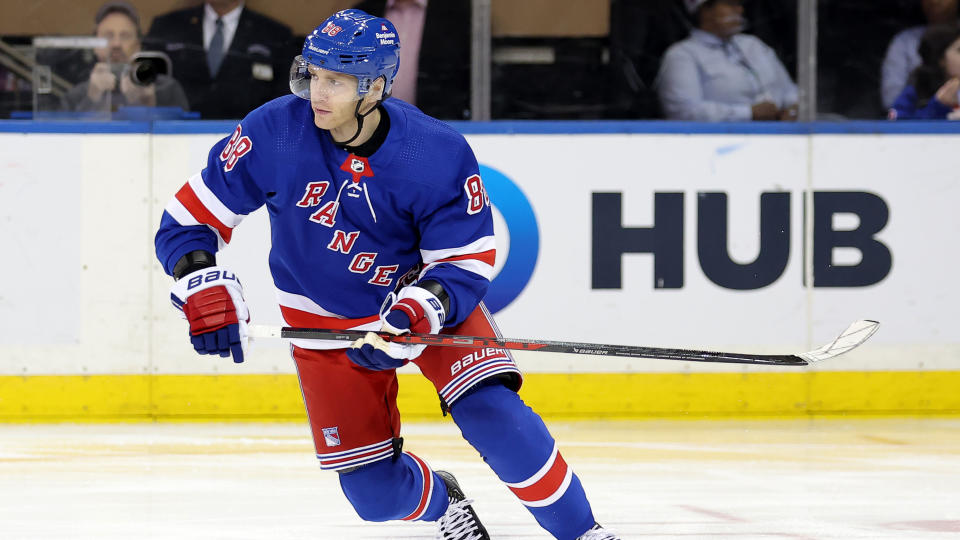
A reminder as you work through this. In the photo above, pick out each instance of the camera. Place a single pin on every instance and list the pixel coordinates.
(144, 68)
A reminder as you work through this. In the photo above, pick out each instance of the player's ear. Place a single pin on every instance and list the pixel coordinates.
(376, 89)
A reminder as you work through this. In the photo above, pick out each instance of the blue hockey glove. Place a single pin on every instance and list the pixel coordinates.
(414, 309)
(211, 299)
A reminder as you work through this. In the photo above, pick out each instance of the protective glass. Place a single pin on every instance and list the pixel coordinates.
(324, 84)
(62, 76)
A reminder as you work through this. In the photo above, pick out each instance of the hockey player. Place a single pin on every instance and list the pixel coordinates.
(379, 221)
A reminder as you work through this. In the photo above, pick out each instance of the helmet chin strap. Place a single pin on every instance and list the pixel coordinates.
(359, 118)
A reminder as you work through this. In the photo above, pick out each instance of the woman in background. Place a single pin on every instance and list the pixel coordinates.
(931, 93)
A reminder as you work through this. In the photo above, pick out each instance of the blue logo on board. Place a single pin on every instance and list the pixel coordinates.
(524, 239)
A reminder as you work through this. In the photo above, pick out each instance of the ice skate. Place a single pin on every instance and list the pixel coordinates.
(597, 533)
(459, 522)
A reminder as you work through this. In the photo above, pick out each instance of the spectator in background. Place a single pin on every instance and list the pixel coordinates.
(902, 55)
(435, 58)
(229, 59)
(932, 90)
(109, 85)
(719, 74)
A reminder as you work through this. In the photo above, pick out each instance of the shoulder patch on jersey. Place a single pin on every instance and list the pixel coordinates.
(237, 147)
(477, 196)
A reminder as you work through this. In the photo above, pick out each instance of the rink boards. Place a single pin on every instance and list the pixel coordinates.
(744, 238)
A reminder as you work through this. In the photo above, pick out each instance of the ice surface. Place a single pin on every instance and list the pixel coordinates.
(802, 479)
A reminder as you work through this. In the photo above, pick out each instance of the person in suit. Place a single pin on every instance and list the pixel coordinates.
(435, 58)
(230, 59)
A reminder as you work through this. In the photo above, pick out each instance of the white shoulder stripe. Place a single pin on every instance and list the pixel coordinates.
(480, 245)
(213, 204)
(179, 212)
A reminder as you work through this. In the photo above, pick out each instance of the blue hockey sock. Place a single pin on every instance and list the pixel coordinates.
(390, 489)
(516, 444)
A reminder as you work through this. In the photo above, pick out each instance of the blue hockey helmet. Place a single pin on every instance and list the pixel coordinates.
(352, 42)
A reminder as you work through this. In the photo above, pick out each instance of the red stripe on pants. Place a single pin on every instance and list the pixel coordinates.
(546, 486)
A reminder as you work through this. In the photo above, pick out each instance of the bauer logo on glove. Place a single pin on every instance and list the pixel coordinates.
(208, 276)
(211, 299)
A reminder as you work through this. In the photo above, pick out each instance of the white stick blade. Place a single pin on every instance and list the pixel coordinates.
(851, 338)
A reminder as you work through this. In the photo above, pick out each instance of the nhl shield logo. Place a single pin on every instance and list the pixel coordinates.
(331, 436)
(357, 166)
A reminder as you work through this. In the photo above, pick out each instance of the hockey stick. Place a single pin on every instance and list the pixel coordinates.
(853, 336)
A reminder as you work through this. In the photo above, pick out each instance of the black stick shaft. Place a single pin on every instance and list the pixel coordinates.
(478, 342)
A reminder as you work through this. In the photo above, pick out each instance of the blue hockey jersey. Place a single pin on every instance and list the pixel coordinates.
(345, 229)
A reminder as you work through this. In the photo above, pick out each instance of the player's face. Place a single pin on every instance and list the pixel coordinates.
(333, 97)
(121, 36)
(951, 59)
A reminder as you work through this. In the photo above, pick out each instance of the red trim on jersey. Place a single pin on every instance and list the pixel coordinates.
(192, 203)
(304, 319)
(427, 489)
(545, 486)
(355, 457)
(489, 257)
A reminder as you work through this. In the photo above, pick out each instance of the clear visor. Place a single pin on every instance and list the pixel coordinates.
(317, 84)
